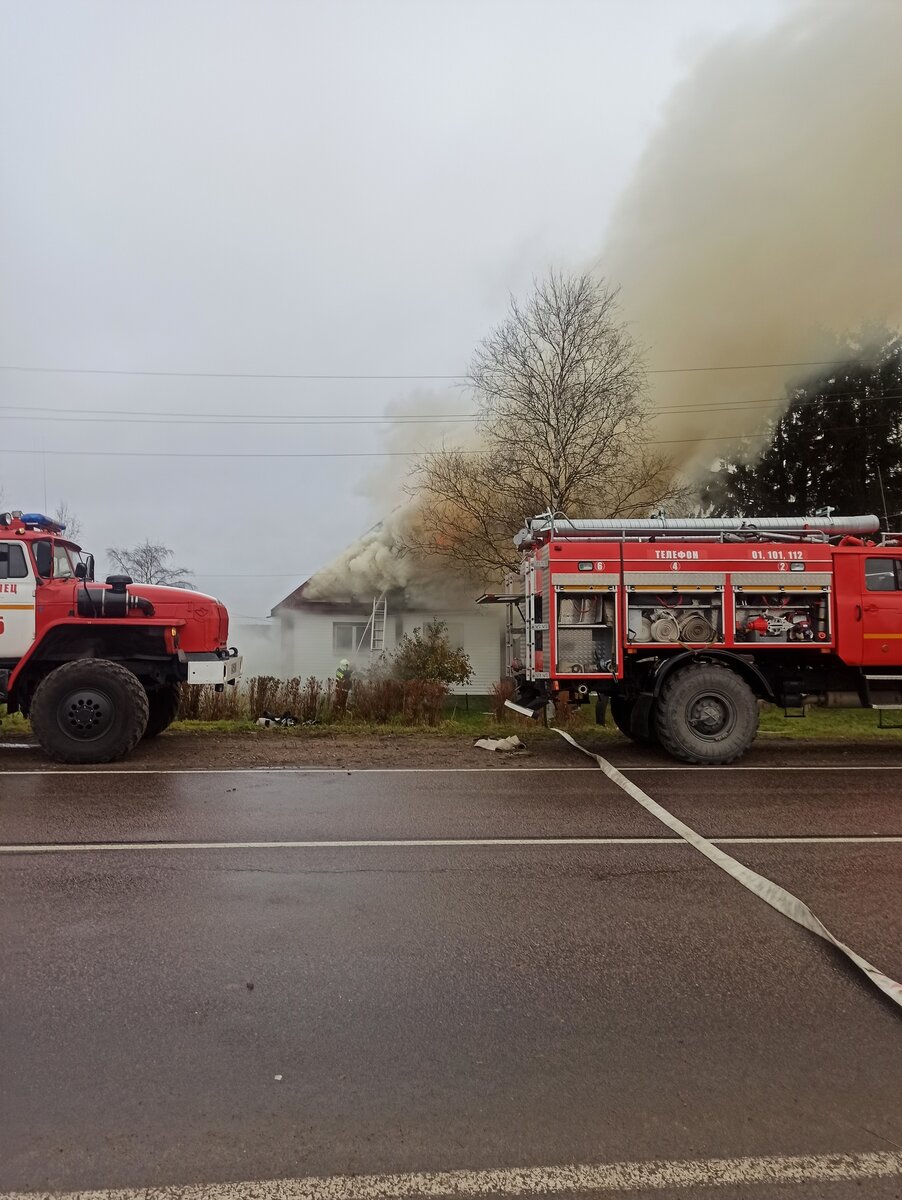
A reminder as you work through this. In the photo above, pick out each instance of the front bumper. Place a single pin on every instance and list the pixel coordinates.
(209, 668)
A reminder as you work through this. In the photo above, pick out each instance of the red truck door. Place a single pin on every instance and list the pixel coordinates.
(881, 608)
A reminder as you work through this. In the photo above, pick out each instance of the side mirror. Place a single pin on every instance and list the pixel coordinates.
(43, 558)
(85, 570)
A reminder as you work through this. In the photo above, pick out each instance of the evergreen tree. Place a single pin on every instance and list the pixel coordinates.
(838, 443)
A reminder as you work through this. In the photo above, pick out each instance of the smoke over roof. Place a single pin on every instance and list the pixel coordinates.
(763, 221)
(762, 227)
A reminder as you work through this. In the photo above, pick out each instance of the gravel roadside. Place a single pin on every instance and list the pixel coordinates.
(281, 748)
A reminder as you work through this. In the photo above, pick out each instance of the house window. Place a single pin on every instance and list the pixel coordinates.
(12, 562)
(454, 630)
(455, 634)
(348, 635)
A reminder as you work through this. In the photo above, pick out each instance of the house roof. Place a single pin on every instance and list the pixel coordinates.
(298, 602)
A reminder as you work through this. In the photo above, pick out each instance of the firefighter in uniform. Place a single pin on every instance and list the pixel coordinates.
(343, 684)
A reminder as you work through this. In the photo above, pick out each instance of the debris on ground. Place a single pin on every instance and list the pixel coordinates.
(508, 743)
(267, 720)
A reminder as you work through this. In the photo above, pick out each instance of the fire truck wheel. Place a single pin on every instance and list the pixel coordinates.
(89, 711)
(707, 714)
(164, 708)
(622, 715)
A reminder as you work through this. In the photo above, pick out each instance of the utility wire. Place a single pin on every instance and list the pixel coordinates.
(827, 362)
(248, 575)
(128, 416)
(230, 454)
(122, 417)
(727, 437)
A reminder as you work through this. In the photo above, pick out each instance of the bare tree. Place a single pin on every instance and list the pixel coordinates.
(148, 562)
(560, 395)
(65, 516)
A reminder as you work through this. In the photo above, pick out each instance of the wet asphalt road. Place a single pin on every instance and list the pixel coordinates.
(438, 1007)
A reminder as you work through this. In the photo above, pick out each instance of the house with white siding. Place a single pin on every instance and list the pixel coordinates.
(315, 634)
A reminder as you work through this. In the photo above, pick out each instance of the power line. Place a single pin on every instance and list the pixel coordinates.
(123, 417)
(127, 416)
(827, 362)
(727, 437)
(232, 454)
(249, 575)
(790, 401)
(215, 374)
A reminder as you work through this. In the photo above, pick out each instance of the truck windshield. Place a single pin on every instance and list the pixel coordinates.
(62, 563)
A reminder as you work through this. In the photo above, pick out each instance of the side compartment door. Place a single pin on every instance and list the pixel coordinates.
(17, 584)
(881, 610)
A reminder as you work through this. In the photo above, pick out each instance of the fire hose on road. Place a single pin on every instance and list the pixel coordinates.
(771, 893)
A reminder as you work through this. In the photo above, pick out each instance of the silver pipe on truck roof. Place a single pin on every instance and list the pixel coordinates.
(649, 526)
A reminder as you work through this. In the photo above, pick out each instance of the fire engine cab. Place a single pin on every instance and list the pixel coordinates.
(97, 667)
(682, 625)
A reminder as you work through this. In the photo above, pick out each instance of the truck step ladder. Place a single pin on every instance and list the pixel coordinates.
(875, 704)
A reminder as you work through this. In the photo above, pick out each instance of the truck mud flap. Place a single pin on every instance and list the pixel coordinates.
(641, 716)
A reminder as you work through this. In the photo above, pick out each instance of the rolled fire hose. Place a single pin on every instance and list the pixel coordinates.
(696, 628)
(665, 629)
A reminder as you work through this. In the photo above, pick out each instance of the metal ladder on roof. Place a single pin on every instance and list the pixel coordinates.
(377, 626)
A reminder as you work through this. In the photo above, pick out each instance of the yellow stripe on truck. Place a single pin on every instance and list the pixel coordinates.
(16, 607)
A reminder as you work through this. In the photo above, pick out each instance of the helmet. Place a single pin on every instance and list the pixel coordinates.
(344, 664)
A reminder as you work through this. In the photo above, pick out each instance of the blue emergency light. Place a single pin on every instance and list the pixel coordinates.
(39, 521)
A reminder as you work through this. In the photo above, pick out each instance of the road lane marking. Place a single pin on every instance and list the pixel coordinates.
(525, 1181)
(768, 891)
(297, 770)
(717, 770)
(560, 769)
(427, 843)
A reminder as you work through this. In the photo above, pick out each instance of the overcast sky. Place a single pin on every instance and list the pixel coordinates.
(264, 188)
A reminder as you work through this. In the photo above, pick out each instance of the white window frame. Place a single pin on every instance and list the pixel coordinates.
(359, 629)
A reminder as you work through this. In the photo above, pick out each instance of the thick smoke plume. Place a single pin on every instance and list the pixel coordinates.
(763, 222)
(376, 562)
(762, 225)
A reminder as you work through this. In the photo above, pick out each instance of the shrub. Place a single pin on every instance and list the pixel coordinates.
(260, 693)
(424, 701)
(502, 690)
(412, 701)
(311, 695)
(204, 703)
(379, 699)
(427, 654)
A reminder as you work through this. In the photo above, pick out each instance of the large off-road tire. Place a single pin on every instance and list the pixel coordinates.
(707, 714)
(163, 709)
(623, 716)
(89, 711)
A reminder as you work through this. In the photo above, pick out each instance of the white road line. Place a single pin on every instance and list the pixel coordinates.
(296, 770)
(717, 770)
(427, 843)
(525, 1181)
(561, 770)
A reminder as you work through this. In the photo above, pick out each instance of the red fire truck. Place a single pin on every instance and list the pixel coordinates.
(96, 667)
(681, 626)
